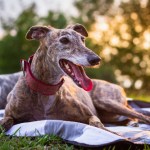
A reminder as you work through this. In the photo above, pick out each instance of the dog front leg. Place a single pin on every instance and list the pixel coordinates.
(95, 121)
(6, 123)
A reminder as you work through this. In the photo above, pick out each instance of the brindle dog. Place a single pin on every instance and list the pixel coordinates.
(62, 54)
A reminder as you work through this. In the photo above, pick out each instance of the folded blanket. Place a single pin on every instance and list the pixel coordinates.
(82, 134)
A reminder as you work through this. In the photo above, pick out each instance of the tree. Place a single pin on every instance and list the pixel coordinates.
(119, 33)
(121, 36)
(14, 46)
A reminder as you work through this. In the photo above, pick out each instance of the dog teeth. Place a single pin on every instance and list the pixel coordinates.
(72, 74)
(79, 83)
(67, 66)
(69, 69)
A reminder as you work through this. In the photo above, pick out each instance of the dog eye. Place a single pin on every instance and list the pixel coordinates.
(64, 40)
(83, 39)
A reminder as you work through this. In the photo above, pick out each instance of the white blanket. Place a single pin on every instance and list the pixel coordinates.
(82, 134)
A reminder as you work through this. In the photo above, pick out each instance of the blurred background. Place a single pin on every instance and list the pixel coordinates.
(119, 31)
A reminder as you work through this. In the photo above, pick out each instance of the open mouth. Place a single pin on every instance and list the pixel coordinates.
(77, 74)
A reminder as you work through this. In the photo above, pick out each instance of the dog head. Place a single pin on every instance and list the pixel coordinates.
(66, 49)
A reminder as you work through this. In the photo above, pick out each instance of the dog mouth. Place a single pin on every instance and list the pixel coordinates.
(77, 73)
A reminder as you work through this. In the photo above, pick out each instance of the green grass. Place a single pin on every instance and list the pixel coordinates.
(145, 98)
(146, 147)
(38, 143)
(46, 142)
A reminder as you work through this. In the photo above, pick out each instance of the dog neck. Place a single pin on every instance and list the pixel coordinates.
(44, 69)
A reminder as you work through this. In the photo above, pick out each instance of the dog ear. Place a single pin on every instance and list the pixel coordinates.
(37, 32)
(79, 28)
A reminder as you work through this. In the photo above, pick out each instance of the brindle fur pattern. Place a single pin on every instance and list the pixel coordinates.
(106, 102)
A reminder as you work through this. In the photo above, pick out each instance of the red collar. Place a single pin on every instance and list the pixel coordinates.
(35, 84)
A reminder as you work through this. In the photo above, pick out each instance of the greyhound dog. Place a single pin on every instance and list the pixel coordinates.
(55, 86)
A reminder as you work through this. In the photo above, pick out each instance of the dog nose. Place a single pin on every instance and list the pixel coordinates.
(94, 60)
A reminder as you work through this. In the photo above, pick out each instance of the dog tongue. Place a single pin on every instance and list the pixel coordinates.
(81, 76)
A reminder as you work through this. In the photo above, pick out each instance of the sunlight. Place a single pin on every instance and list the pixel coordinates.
(138, 28)
(13, 32)
(106, 53)
(138, 84)
(127, 83)
(136, 41)
(2, 33)
(143, 64)
(96, 36)
(134, 16)
(102, 24)
(119, 18)
(136, 59)
(114, 41)
(144, 3)
(124, 80)
(126, 36)
(124, 44)
(124, 27)
(146, 43)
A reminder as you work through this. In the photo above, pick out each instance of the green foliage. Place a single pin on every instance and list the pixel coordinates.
(14, 46)
(137, 18)
(90, 10)
(57, 20)
(131, 61)
(104, 72)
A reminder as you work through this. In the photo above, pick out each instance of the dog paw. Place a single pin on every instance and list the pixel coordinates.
(6, 123)
(94, 121)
